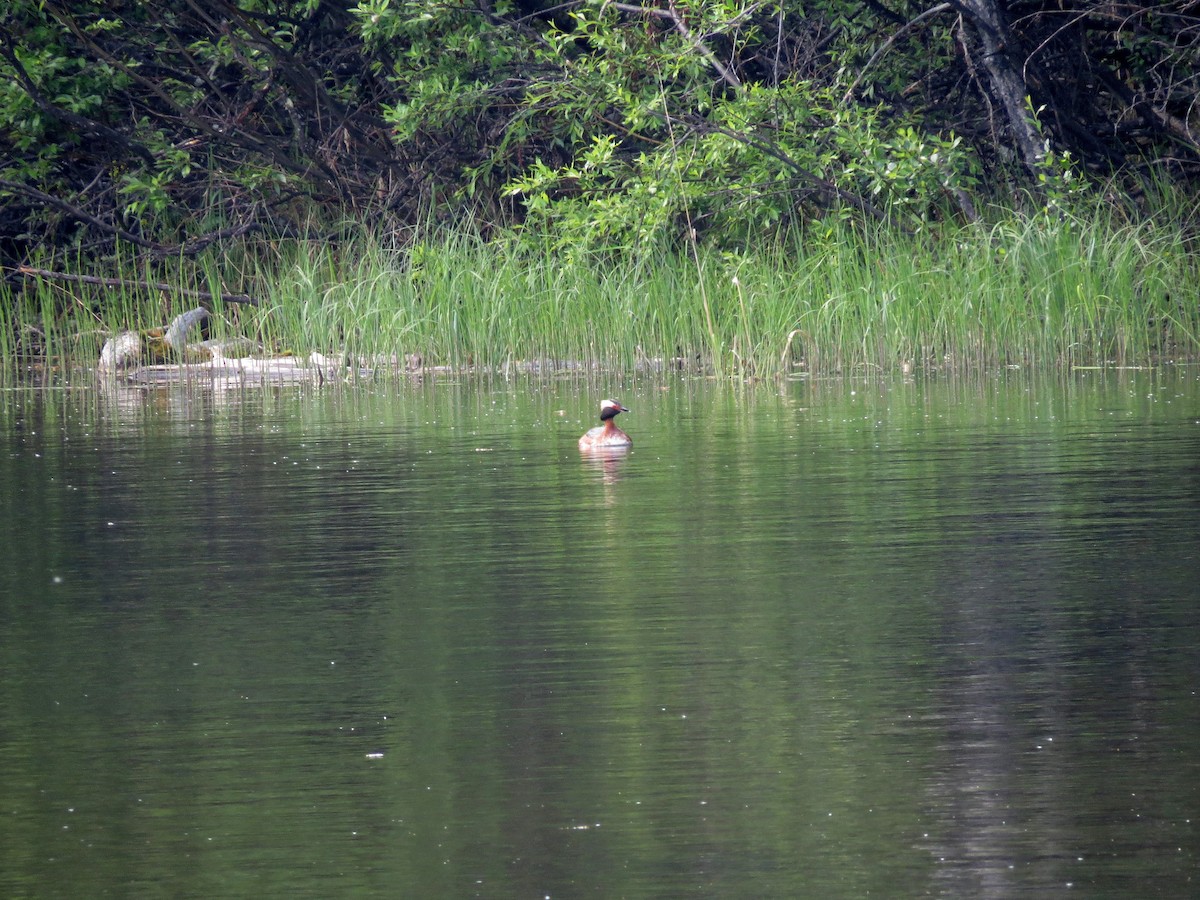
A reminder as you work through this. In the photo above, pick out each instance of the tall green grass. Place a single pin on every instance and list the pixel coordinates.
(1040, 292)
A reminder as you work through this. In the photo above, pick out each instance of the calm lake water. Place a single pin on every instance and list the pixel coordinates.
(897, 639)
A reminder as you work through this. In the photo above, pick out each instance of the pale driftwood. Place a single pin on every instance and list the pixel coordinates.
(318, 369)
(120, 352)
(233, 348)
(176, 334)
(283, 370)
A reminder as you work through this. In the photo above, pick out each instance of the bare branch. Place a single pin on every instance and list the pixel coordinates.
(727, 74)
(31, 272)
(886, 45)
(75, 212)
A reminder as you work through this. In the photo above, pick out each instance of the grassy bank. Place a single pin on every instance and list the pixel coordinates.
(1031, 292)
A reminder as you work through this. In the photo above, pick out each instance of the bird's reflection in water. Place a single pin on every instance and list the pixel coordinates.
(607, 461)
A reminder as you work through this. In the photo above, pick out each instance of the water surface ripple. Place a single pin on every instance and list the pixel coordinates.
(826, 640)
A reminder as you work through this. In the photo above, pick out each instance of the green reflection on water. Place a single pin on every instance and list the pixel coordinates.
(826, 640)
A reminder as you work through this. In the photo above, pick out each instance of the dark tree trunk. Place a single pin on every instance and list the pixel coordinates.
(1006, 82)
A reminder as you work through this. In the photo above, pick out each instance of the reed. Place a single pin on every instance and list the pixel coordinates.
(1084, 290)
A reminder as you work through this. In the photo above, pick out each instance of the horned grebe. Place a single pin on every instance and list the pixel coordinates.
(608, 435)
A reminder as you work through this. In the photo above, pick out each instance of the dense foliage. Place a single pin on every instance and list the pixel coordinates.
(170, 126)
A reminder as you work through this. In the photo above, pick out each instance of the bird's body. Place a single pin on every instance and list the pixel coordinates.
(606, 436)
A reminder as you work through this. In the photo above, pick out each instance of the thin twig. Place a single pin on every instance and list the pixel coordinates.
(892, 38)
(31, 272)
(727, 74)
